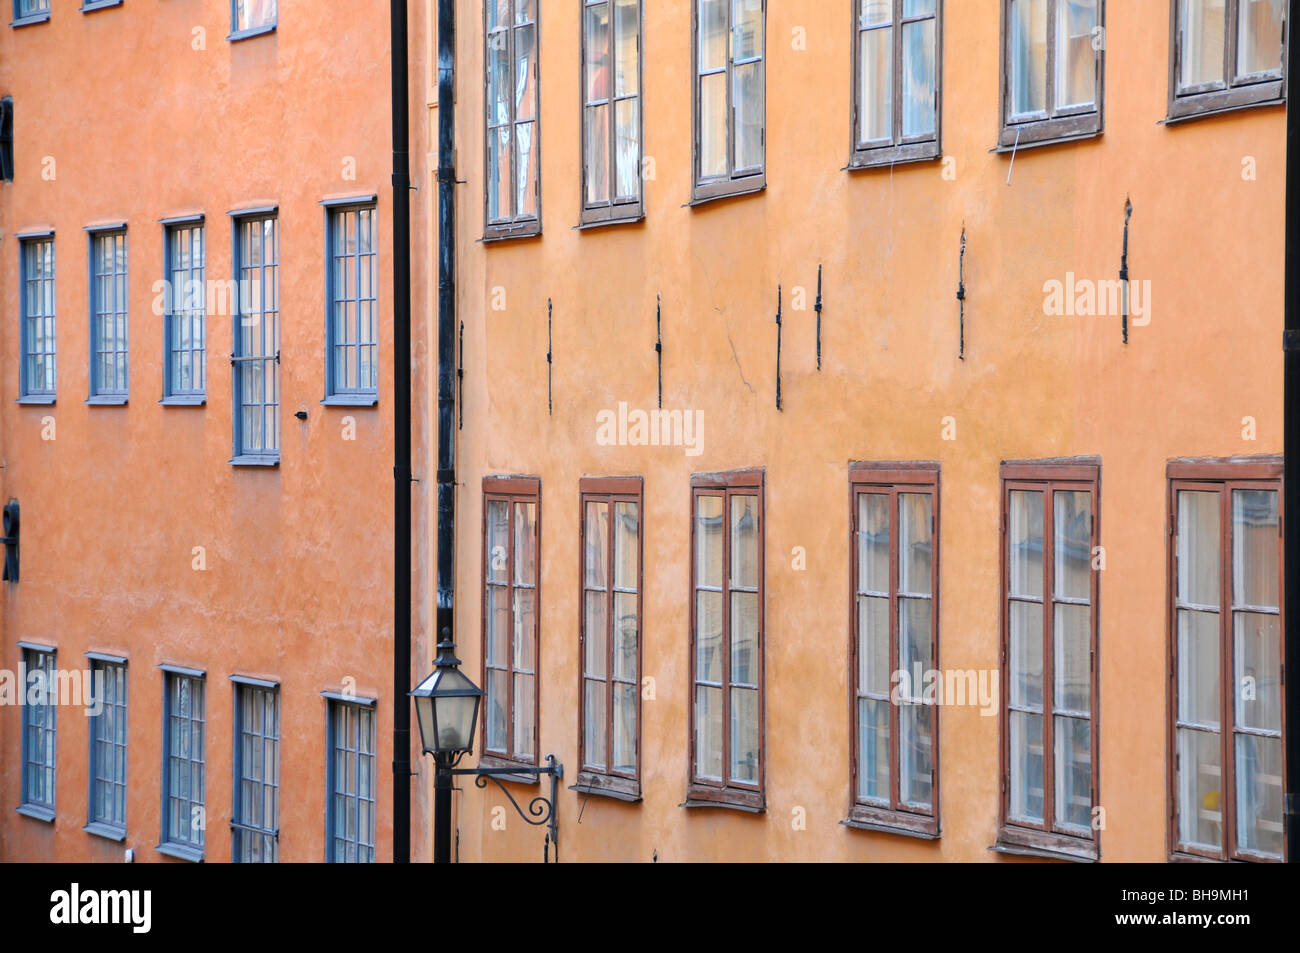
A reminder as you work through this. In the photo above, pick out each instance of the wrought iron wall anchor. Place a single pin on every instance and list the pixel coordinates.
(818, 308)
(659, 345)
(460, 379)
(961, 296)
(1123, 267)
(550, 360)
(778, 348)
(541, 810)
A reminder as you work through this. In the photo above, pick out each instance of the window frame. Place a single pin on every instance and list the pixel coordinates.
(727, 793)
(26, 393)
(27, 19)
(606, 781)
(265, 457)
(732, 184)
(334, 394)
(893, 479)
(612, 212)
(239, 828)
(49, 729)
(512, 490)
(108, 828)
(1070, 124)
(99, 395)
(1048, 477)
(1234, 94)
(194, 396)
(901, 150)
(237, 34)
(1223, 476)
(362, 709)
(517, 226)
(182, 848)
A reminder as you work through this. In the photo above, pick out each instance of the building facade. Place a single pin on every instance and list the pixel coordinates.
(825, 494)
(197, 426)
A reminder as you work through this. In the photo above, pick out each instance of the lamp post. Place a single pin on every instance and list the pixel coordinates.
(446, 707)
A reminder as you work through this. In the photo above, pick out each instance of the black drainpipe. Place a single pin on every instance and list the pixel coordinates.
(1291, 465)
(446, 370)
(401, 439)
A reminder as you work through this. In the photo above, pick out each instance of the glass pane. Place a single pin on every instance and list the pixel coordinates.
(597, 120)
(624, 728)
(498, 529)
(1026, 767)
(915, 545)
(914, 640)
(708, 636)
(713, 34)
(744, 638)
(594, 724)
(627, 555)
(1259, 794)
(873, 750)
(708, 733)
(498, 185)
(873, 645)
(918, 78)
(914, 753)
(1025, 544)
(713, 125)
(597, 545)
(744, 735)
(627, 59)
(748, 18)
(916, 8)
(1071, 662)
(1027, 67)
(744, 542)
(625, 633)
(875, 85)
(525, 544)
(873, 543)
(595, 635)
(1198, 667)
(1072, 543)
(498, 67)
(708, 541)
(525, 11)
(1026, 660)
(1202, 29)
(598, 53)
(1200, 789)
(875, 12)
(496, 710)
(1076, 61)
(525, 91)
(1073, 767)
(524, 711)
(1255, 548)
(747, 99)
(525, 629)
(526, 176)
(1198, 548)
(1257, 662)
(628, 146)
(1259, 36)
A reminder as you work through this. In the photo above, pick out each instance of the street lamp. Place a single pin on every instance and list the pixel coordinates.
(446, 706)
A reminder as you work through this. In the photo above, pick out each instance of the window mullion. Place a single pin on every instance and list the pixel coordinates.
(1227, 690)
(896, 744)
(1049, 656)
(509, 745)
(725, 674)
(1053, 32)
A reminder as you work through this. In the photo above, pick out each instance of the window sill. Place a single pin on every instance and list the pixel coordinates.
(1004, 148)
(605, 785)
(36, 812)
(884, 821)
(1190, 108)
(31, 19)
(734, 799)
(602, 218)
(886, 157)
(106, 831)
(505, 233)
(715, 192)
(249, 34)
(497, 762)
(93, 5)
(181, 852)
(193, 400)
(351, 400)
(1030, 843)
(37, 400)
(107, 400)
(266, 461)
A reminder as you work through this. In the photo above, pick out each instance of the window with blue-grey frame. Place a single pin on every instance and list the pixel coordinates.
(185, 313)
(38, 371)
(350, 772)
(30, 11)
(109, 324)
(252, 18)
(39, 728)
(107, 813)
(183, 781)
(255, 800)
(352, 322)
(255, 360)
(88, 6)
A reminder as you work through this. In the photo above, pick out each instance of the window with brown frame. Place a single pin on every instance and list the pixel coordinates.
(1050, 593)
(609, 738)
(1225, 54)
(511, 548)
(1226, 770)
(897, 54)
(611, 111)
(512, 149)
(729, 54)
(893, 644)
(727, 715)
(1053, 69)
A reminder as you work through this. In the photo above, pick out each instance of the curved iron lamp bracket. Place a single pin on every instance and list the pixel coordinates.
(541, 809)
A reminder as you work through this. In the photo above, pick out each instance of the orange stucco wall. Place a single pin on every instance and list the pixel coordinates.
(146, 110)
(1032, 386)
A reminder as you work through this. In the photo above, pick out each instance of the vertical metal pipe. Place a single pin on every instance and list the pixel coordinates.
(442, 810)
(1291, 460)
(401, 438)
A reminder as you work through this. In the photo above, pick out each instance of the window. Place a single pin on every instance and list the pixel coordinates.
(1225, 731)
(39, 724)
(514, 191)
(108, 749)
(1050, 589)
(251, 18)
(109, 357)
(38, 376)
(89, 6)
(30, 11)
(1053, 54)
(350, 817)
(255, 807)
(610, 701)
(1225, 54)
(352, 327)
(727, 641)
(183, 766)
(611, 116)
(897, 46)
(186, 311)
(730, 97)
(256, 360)
(511, 542)
(895, 573)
